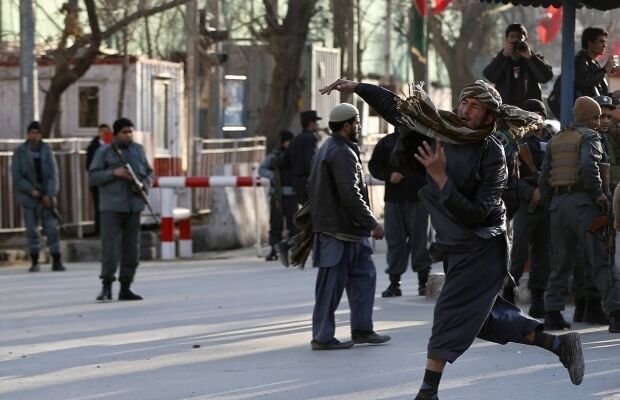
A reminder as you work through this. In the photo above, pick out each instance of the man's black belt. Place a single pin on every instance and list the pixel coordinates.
(558, 190)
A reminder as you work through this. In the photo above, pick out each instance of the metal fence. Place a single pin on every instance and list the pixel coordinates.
(73, 202)
(211, 155)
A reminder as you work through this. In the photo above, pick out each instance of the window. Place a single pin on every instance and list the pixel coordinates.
(88, 107)
(160, 112)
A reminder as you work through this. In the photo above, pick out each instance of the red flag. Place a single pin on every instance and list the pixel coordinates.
(421, 5)
(441, 5)
(550, 25)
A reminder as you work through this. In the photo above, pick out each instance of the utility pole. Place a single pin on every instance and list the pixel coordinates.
(192, 86)
(27, 65)
(216, 78)
(387, 79)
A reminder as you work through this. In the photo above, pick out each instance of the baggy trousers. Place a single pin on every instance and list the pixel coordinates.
(349, 266)
(50, 228)
(469, 306)
(120, 241)
(531, 239)
(406, 235)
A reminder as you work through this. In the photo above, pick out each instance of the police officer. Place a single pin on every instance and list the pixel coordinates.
(120, 207)
(282, 201)
(531, 222)
(406, 219)
(35, 178)
(570, 177)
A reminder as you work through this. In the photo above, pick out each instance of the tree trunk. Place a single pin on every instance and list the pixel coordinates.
(466, 45)
(287, 43)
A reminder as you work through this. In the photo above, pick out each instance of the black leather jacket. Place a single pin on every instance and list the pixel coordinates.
(338, 194)
(589, 77)
(477, 176)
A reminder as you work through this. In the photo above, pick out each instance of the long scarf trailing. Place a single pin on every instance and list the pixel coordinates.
(417, 112)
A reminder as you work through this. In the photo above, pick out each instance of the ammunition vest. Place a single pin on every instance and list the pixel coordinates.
(565, 150)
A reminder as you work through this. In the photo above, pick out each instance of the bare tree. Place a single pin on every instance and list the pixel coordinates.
(286, 41)
(73, 60)
(457, 44)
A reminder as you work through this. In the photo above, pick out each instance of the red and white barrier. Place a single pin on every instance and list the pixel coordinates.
(171, 214)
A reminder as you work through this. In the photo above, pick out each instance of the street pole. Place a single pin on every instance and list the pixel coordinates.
(27, 65)
(191, 87)
(216, 78)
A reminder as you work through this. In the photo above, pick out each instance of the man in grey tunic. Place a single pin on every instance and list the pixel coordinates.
(466, 177)
(570, 176)
(35, 178)
(120, 207)
(342, 222)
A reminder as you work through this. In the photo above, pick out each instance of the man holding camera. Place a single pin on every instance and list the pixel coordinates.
(516, 71)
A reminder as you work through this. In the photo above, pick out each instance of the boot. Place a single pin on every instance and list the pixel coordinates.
(273, 255)
(394, 289)
(34, 267)
(106, 292)
(57, 263)
(580, 308)
(282, 249)
(537, 305)
(594, 313)
(422, 279)
(554, 321)
(126, 293)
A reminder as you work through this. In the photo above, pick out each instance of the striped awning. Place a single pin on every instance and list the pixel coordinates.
(598, 4)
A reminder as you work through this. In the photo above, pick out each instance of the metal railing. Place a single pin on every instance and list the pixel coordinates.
(211, 154)
(74, 201)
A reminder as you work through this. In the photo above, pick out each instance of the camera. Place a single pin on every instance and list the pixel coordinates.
(520, 46)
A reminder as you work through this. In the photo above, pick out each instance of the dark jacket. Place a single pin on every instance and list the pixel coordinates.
(24, 174)
(338, 195)
(381, 167)
(518, 81)
(91, 150)
(116, 194)
(301, 150)
(477, 177)
(589, 77)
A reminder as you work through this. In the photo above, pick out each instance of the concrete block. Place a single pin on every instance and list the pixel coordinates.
(80, 250)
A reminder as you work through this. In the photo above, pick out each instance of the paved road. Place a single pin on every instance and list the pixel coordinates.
(239, 328)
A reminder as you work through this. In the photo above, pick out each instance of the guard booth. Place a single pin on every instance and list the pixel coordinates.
(152, 99)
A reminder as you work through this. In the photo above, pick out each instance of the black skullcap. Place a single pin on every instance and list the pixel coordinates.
(285, 135)
(121, 123)
(34, 125)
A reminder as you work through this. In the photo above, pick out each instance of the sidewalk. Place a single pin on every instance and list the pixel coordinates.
(235, 327)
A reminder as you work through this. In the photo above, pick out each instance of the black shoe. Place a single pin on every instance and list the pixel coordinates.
(392, 291)
(571, 356)
(594, 313)
(57, 263)
(422, 280)
(509, 293)
(127, 294)
(34, 257)
(371, 337)
(106, 292)
(554, 321)
(333, 344)
(282, 248)
(537, 310)
(580, 308)
(614, 322)
(273, 255)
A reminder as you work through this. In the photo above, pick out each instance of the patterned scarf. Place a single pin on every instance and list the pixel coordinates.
(417, 112)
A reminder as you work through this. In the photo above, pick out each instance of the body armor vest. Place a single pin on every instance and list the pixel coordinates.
(565, 152)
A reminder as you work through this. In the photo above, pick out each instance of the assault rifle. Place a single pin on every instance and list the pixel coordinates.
(526, 156)
(136, 184)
